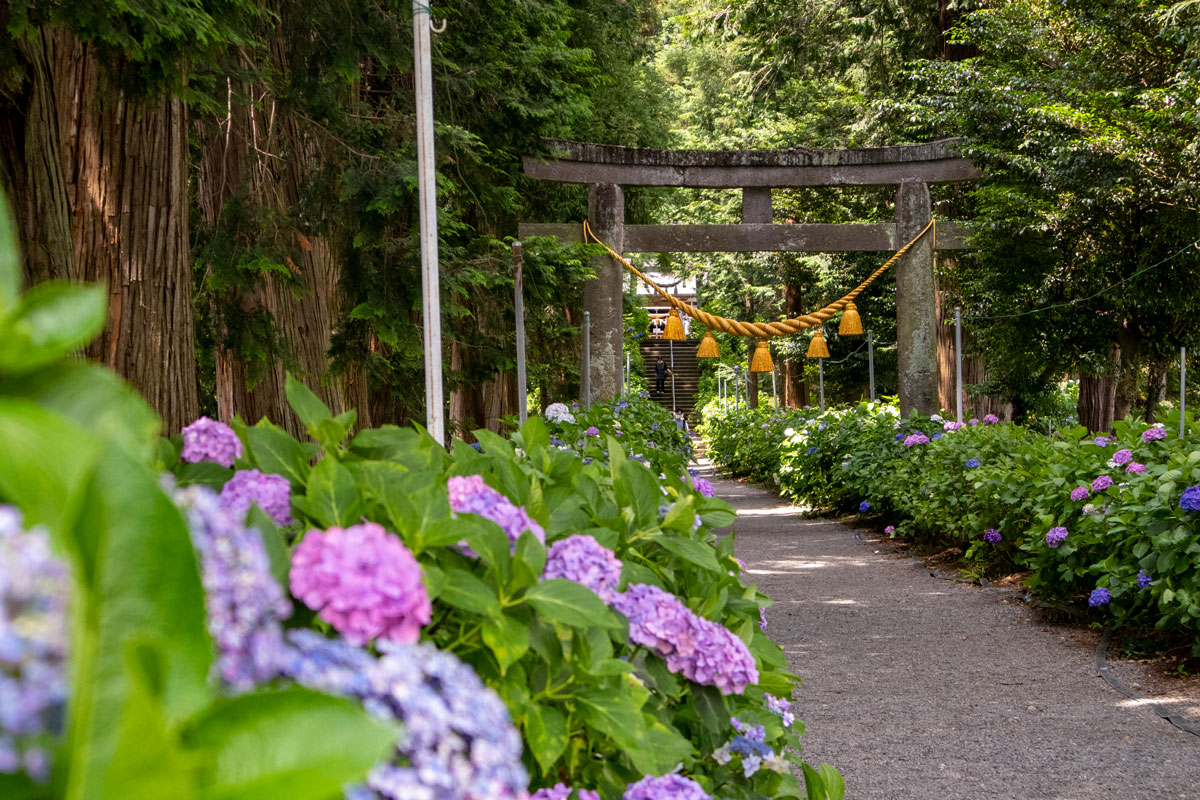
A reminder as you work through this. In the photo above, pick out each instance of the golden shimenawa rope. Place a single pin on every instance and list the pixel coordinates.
(762, 330)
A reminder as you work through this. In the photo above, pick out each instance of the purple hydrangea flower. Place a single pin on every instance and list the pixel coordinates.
(1144, 579)
(1136, 468)
(209, 440)
(992, 536)
(363, 581)
(1056, 536)
(864, 506)
(1102, 441)
(1153, 434)
(561, 792)
(1080, 493)
(782, 708)
(704, 651)
(459, 740)
(889, 530)
(1190, 499)
(915, 439)
(972, 421)
(1122, 457)
(244, 601)
(272, 493)
(702, 485)
(35, 594)
(762, 619)
(470, 495)
(972, 463)
(765, 426)
(1099, 597)
(991, 419)
(592, 431)
(1101, 483)
(951, 427)
(667, 787)
(582, 559)
(936, 435)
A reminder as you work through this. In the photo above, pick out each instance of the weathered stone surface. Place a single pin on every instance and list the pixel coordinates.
(756, 205)
(756, 237)
(602, 295)
(916, 307)
(581, 162)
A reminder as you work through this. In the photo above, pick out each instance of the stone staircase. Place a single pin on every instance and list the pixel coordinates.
(687, 372)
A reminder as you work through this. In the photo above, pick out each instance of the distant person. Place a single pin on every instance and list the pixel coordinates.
(660, 375)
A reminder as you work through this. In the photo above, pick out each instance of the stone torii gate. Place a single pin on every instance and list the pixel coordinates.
(911, 168)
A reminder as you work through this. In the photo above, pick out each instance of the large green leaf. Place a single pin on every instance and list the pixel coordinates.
(50, 321)
(700, 554)
(274, 451)
(311, 410)
(561, 600)
(137, 579)
(545, 734)
(507, 638)
(290, 744)
(616, 715)
(332, 494)
(463, 590)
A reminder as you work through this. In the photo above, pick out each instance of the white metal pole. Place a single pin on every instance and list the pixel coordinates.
(587, 361)
(821, 380)
(871, 361)
(519, 308)
(1182, 391)
(628, 375)
(958, 387)
(427, 194)
(774, 390)
(672, 346)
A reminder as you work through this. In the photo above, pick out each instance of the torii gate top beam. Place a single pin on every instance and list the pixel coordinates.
(581, 162)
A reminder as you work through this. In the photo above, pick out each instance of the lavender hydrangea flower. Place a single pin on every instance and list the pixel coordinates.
(889, 530)
(272, 493)
(972, 421)
(1136, 468)
(972, 463)
(459, 742)
(864, 506)
(363, 581)
(702, 485)
(35, 593)
(470, 495)
(1101, 441)
(1153, 434)
(991, 419)
(582, 559)
(780, 707)
(951, 427)
(992, 536)
(762, 619)
(561, 792)
(704, 651)
(209, 440)
(915, 439)
(243, 600)
(936, 435)
(1144, 579)
(1190, 499)
(750, 744)
(667, 787)
(1099, 597)
(1123, 456)
(1080, 493)
(1101, 483)
(592, 431)
(1056, 536)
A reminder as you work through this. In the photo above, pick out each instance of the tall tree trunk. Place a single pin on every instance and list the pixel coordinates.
(795, 388)
(126, 178)
(751, 378)
(1097, 398)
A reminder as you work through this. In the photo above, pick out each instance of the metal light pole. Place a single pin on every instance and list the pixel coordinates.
(958, 387)
(774, 390)
(587, 361)
(1182, 391)
(519, 306)
(871, 361)
(672, 346)
(821, 381)
(427, 193)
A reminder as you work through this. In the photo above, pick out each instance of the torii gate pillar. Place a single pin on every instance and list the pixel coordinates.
(916, 311)
(602, 296)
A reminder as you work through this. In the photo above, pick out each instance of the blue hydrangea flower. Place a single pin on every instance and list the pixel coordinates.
(991, 536)
(864, 506)
(810, 451)
(1099, 597)
(1190, 499)
(1144, 579)
(972, 463)
(899, 437)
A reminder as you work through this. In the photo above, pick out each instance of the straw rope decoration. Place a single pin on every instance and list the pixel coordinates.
(762, 330)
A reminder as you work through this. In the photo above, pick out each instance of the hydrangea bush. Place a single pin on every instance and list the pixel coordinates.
(1119, 512)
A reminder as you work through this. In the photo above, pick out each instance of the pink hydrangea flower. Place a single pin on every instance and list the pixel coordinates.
(1136, 468)
(470, 495)
(363, 581)
(209, 440)
(889, 530)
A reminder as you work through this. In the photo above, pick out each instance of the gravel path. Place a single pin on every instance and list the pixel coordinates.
(922, 688)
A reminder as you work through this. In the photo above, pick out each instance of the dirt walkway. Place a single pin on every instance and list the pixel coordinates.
(916, 687)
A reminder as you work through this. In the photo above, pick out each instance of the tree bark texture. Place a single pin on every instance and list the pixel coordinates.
(261, 155)
(795, 389)
(974, 372)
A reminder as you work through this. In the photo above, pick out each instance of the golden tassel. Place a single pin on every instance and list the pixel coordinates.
(762, 358)
(817, 348)
(708, 347)
(674, 329)
(851, 324)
